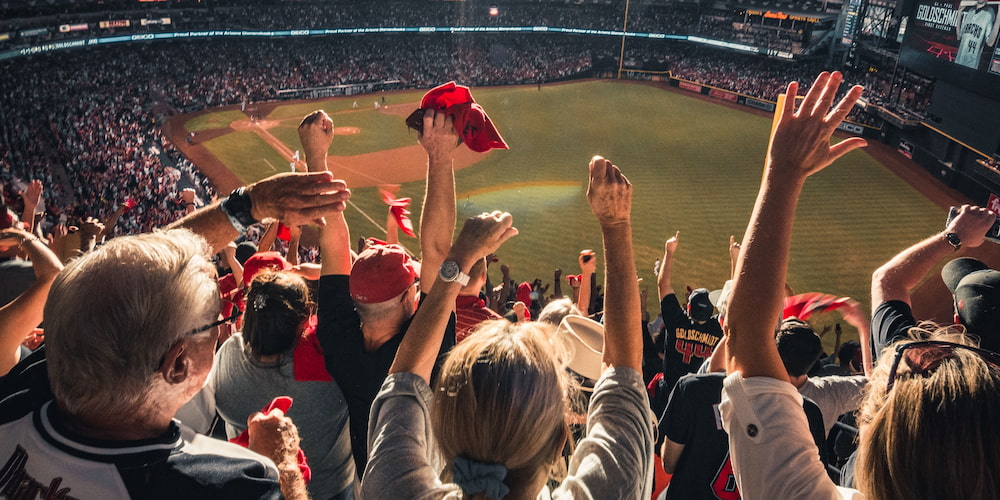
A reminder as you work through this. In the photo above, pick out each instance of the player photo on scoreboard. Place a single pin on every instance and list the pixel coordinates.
(963, 32)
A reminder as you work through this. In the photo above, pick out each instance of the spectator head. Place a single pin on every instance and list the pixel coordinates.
(263, 261)
(278, 309)
(501, 399)
(933, 434)
(798, 346)
(976, 291)
(850, 354)
(125, 325)
(382, 278)
(244, 251)
(554, 312)
(699, 305)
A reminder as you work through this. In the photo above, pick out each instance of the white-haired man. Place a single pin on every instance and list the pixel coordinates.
(131, 332)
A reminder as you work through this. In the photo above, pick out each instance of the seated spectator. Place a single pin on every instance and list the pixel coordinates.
(277, 354)
(131, 337)
(497, 415)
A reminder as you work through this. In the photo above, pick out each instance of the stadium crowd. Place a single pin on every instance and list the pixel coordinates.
(83, 120)
(414, 377)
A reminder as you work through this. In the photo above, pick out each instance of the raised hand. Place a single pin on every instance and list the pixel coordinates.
(801, 142)
(298, 199)
(438, 138)
(609, 193)
(971, 225)
(483, 234)
(316, 135)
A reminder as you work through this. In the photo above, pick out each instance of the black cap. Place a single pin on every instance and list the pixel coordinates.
(976, 289)
(700, 306)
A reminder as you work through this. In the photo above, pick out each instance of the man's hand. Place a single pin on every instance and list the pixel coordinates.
(971, 225)
(438, 138)
(853, 314)
(609, 193)
(32, 195)
(800, 145)
(483, 234)
(298, 199)
(274, 436)
(670, 246)
(91, 227)
(316, 135)
(587, 261)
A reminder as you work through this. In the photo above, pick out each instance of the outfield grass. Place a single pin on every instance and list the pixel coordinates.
(695, 166)
(247, 155)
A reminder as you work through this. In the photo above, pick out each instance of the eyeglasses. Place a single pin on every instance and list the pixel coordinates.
(926, 355)
(209, 326)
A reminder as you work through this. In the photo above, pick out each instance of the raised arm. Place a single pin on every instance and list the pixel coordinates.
(799, 147)
(291, 198)
(316, 134)
(895, 279)
(23, 314)
(588, 267)
(437, 218)
(610, 197)
(667, 266)
(31, 196)
(480, 236)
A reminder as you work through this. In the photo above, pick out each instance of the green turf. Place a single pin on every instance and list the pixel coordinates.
(247, 155)
(378, 131)
(211, 121)
(695, 166)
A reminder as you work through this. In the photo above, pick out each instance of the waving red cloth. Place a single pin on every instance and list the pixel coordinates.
(397, 207)
(471, 121)
(283, 403)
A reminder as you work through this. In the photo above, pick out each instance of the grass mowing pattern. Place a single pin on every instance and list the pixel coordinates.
(696, 167)
(247, 155)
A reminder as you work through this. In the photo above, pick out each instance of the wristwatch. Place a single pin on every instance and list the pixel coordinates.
(239, 209)
(450, 272)
(953, 240)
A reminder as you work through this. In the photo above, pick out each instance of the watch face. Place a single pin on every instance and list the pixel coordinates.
(449, 270)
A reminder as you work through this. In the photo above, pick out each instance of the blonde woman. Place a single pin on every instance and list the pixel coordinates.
(928, 428)
(496, 422)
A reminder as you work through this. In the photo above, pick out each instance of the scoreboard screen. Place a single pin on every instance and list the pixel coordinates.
(956, 41)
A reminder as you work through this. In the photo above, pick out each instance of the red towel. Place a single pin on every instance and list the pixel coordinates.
(283, 403)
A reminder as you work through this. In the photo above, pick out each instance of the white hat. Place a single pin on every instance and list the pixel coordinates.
(584, 339)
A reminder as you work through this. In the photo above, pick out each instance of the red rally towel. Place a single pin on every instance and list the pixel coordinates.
(308, 364)
(397, 207)
(283, 403)
(471, 122)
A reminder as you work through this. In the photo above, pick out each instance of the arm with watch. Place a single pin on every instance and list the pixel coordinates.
(292, 198)
(480, 236)
(894, 279)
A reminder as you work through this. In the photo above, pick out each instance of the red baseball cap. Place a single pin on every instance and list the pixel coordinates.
(382, 272)
(262, 261)
(471, 121)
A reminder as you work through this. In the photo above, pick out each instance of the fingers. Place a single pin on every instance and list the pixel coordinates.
(845, 146)
(844, 107)
(813, 95)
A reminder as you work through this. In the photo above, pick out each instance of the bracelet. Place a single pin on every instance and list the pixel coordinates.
(189, 203)
(239, 209)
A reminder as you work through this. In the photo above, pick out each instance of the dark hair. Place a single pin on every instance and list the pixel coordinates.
(798, 346)
(277, 305)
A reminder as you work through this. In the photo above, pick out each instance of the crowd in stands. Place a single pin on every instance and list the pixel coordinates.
(390, 399)
(60, 107)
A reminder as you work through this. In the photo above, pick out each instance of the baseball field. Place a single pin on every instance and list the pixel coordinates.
(695, 165)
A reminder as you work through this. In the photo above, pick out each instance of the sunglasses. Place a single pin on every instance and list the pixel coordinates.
(209, 326)
(926, 355)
